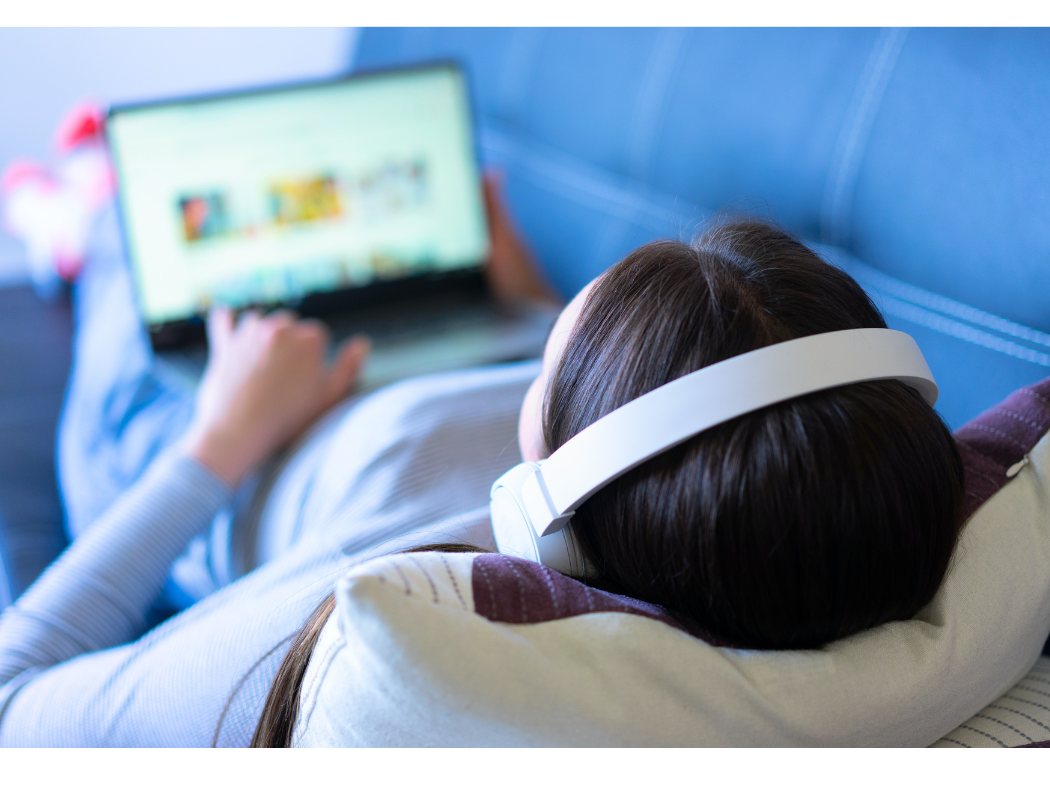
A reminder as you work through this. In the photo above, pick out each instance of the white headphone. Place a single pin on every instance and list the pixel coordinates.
(532, 503)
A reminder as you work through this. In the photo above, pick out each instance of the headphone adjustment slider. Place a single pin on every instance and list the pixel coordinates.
(545, 518)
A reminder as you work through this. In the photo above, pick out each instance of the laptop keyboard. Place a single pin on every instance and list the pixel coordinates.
(409, 340)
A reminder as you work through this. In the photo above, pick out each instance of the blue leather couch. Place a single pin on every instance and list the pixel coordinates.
(919, 159)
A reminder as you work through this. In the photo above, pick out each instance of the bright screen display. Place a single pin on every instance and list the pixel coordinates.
(268, 197)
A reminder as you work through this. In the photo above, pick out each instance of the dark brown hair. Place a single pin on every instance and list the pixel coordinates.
(785, 528)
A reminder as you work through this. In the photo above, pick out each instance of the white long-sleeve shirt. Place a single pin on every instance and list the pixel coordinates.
(413, 461)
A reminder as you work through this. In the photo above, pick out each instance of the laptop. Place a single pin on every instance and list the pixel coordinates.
(356, 200)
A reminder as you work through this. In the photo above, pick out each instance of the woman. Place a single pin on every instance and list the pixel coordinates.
(788, 527)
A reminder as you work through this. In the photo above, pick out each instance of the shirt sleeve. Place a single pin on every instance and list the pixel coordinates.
(98, 592)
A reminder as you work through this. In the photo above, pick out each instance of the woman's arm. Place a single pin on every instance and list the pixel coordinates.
(97, 593)
(266, 382)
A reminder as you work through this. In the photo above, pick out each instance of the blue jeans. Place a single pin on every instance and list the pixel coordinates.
(118, 415)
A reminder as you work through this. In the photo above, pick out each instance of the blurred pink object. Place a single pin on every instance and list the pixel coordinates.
(21, 171)
(52, 210)
(84, 123)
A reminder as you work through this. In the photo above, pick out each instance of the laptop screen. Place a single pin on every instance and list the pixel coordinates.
(266, 197)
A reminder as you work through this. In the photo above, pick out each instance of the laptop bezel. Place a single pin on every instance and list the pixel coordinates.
(467, 277)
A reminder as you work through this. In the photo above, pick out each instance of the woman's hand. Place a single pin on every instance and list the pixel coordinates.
(512, 272)
(266, 381)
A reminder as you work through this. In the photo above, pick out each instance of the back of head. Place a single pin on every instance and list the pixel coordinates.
(785, 528)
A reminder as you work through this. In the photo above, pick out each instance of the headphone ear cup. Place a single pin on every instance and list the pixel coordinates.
(562, 552)
(511, 528)
(515, 535)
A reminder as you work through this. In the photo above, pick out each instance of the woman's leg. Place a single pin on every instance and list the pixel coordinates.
(118, 414)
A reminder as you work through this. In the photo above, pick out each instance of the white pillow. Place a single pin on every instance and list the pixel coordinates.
(1020, 718)
(407, 659)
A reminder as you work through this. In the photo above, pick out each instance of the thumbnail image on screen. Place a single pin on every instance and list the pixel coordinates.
(304, 200)
(203, 216)
(271, 196)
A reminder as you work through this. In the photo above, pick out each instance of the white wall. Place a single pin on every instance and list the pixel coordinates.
(44, 71)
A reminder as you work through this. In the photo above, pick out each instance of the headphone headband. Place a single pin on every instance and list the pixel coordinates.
(676, 411)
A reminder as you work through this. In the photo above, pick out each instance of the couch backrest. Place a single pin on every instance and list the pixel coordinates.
(922, 152)
(953, 187)
(921, 155)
